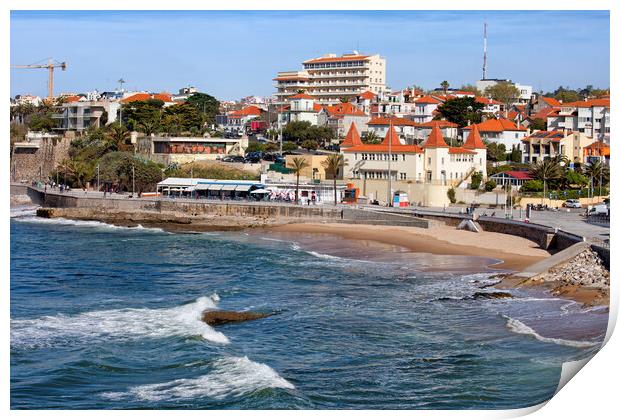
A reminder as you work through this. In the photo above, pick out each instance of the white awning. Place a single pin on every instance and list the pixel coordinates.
(229, 187)
(210, 187)
(260, 191)
(244, 188)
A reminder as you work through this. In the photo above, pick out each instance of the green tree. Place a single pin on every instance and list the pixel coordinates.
(143, 115)
(298, 165)
(504, 92)
(288, 146)
(461, 111)
(310, 145)
(42, 122)
(566, 95)
(181, 118)
(255, 146)
(117, 135)
(496, 152)
(575, 178)
(471, 88)
(332, 165)
(515, 154)
(206, 105)
(533, 185)
(538, 124)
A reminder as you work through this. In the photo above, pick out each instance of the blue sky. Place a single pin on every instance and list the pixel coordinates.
(234, 54)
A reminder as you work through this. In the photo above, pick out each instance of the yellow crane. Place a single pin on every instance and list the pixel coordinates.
(51, 65)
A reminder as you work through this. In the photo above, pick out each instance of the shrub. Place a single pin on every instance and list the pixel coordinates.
(287, 146)
(310, 145)
(476, 179)
(534, 185)
(490, 185)
(452, 195)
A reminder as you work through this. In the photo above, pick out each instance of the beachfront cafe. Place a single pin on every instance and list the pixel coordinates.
(215, 189)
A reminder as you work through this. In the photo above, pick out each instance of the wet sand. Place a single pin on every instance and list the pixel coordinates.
(515, 253)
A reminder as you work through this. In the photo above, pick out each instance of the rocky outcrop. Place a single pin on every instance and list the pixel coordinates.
(585, 269)
(214, 318)
(492, 295)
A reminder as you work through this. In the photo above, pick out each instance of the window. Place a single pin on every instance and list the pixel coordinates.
(429, 160)
(442, 161)
(403, 175)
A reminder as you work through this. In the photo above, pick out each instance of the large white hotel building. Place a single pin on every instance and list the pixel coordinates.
(330, 78)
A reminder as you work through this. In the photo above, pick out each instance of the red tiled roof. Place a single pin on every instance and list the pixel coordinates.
(440, 123)
(344, 109)
(587, 104)
(336, 59)
(517, 174)
(248, 110)
(460, 151)
(487, 101)
(474, 141)
(555, 135)
(381, 148)
(352, 138)
(427, 100)
(463, 92)
(394, 120)
(435, 139)
(544, 113)
(496, 126)
(317, 107)
(550, 101)
(72, 98)
(165, 97)
(301, 96)
(368, 95)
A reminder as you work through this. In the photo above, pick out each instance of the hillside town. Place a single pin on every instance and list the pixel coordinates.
(332, 132)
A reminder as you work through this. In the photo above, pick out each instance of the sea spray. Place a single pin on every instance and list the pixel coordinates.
(116, 324)
(230, 376)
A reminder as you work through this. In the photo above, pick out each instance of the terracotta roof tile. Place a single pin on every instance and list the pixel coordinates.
(352, 138)
(435, 139)
(301, 96)
(344, 109)
(496, 126)
(460, 151)
(336, 59)
(474, 141)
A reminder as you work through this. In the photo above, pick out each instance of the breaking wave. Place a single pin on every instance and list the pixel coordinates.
(85, 223)
(117, 324)
(519, 327)
(22, 211)
(231, 376)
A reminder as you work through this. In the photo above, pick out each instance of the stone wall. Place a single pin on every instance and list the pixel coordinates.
(37, 164)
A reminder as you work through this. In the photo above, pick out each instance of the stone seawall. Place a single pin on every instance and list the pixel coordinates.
(38, 164)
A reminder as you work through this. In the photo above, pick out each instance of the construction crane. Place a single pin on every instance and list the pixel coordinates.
(51, 65)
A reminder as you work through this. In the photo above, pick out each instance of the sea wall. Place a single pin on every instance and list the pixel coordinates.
(32, 164)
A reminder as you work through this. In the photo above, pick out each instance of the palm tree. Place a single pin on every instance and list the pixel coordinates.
(332, 166)
(445, 85)
(545, 170)
(116, 135)
(597, 170)
(372, 138)
(298, 165)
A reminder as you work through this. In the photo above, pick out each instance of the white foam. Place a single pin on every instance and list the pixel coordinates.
(519, 327)
(85, 223)
(231, 376)
(22, 211)
(323, 256)
(119, 324)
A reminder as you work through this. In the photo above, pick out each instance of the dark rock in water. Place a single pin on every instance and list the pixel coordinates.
(224, 317)
(492, 295)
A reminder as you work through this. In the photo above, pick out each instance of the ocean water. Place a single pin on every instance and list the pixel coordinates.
(109, 317)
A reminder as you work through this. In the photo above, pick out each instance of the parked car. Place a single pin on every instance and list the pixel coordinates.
(254, 157)
(233, 159)
(572, 204)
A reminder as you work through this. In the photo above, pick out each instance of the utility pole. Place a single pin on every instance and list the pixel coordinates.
(390, 164)
(120, 109)
(133, 180)
(484, 61)
(98, 187)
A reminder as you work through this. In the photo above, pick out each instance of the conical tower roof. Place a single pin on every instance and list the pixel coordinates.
(435, 139)
(352, 138)
(391, 138)
(474, 141)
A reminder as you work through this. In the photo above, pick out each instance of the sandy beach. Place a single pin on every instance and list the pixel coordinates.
(515, 253)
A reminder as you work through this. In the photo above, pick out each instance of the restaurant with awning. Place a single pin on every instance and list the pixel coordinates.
(200, 188)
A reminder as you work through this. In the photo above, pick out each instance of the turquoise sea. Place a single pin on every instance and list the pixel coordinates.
(104, 317)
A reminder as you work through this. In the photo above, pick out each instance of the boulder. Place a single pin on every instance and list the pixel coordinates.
(224, 317)
(492, 295)
(469, 225)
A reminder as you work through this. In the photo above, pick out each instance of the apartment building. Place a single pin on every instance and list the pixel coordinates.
(80, 115)
(330, 78)
(542, 145)
(290, 83)
(591, 117)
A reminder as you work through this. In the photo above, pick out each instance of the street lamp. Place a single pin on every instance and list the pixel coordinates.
(98, 186)
(133, 180)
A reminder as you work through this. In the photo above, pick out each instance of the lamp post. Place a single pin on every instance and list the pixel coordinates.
(98, 185)
(390, 164)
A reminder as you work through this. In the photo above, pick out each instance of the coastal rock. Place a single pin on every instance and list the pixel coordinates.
(469, 225)
(585, 269)
(224, 317)
(492, 295)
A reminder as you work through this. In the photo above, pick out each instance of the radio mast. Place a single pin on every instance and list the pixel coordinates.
(484, 62)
